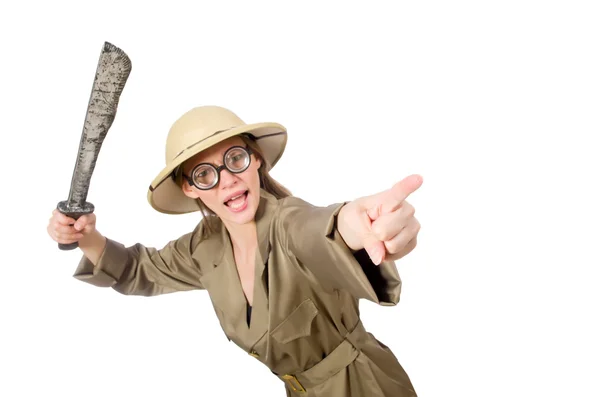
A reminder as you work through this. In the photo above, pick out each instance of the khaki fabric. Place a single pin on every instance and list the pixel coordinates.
(305, 325)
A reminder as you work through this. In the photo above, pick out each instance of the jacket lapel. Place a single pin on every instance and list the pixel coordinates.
(221, 279)
(259, 323)
(223, 282)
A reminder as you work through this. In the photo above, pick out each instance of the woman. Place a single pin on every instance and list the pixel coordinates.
(284, 276)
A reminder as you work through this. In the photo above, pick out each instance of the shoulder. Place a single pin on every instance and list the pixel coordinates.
(291, 203)
(276, 208)
(290, 209)
(207, 231)
(204, 246)
(292, 212)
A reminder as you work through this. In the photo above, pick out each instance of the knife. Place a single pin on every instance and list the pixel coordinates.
(114, 67)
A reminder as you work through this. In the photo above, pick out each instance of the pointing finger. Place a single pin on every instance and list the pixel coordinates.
(400, 191)
(390, 200)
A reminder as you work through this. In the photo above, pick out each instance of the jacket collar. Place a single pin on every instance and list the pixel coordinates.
(223, 282)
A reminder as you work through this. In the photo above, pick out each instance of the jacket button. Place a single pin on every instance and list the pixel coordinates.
(253, 353)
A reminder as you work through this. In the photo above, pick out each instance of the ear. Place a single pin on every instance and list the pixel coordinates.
(189, 190)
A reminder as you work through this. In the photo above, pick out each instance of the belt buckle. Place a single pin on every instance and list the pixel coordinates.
(294, 383)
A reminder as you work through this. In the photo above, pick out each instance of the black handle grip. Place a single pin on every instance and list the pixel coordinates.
(75, 213)
(67, 247)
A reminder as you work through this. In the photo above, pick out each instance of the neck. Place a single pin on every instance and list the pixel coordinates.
(243, 237)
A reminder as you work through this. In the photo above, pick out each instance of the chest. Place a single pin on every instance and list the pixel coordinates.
(290, 325)
(246, 271)
(275, 287)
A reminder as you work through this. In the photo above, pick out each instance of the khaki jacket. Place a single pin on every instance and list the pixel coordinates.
(305, 323)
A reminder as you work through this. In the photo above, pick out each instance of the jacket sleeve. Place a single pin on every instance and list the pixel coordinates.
(310, 234)
(140, 270)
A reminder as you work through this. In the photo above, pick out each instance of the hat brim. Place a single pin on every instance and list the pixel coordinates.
(165, 196)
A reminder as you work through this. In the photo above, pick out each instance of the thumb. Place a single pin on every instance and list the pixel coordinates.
(374, 248)
(83, 222)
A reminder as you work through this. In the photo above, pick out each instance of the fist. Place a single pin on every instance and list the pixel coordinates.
(393, 234)
(66, 230)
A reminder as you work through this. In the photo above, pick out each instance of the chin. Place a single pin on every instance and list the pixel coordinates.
(243, 220)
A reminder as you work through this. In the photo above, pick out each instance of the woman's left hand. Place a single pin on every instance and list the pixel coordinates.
(384, 223)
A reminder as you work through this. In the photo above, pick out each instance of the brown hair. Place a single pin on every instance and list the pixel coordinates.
(267, 182)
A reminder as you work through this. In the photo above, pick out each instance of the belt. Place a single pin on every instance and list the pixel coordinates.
(342, 356)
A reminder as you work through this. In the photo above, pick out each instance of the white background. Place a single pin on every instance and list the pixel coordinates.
(495, 104)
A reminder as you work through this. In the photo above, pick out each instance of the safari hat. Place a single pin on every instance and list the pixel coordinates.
(197, 130)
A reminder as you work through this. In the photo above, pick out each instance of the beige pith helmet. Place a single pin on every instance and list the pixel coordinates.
(197, 130)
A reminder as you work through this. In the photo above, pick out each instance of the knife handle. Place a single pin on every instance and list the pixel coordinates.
(74, 213)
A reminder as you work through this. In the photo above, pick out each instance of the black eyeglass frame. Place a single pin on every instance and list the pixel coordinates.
(220, 168)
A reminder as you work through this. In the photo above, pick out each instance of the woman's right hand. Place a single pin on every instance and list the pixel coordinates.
(66, 230)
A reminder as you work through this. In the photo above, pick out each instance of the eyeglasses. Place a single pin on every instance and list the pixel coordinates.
(205, 176)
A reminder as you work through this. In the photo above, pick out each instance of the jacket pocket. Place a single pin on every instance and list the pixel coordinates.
(297, 324)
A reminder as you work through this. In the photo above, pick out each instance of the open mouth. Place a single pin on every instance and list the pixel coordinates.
(238, 202)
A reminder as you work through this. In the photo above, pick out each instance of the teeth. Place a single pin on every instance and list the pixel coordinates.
(236, 197)
(234, 205)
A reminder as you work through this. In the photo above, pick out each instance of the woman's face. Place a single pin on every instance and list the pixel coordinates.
(235, 198)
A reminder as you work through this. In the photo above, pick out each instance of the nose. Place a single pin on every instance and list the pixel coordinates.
(226, 178)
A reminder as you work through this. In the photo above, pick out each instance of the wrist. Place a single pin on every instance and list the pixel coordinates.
(346, 232)
(93, 239)
(92, 246)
